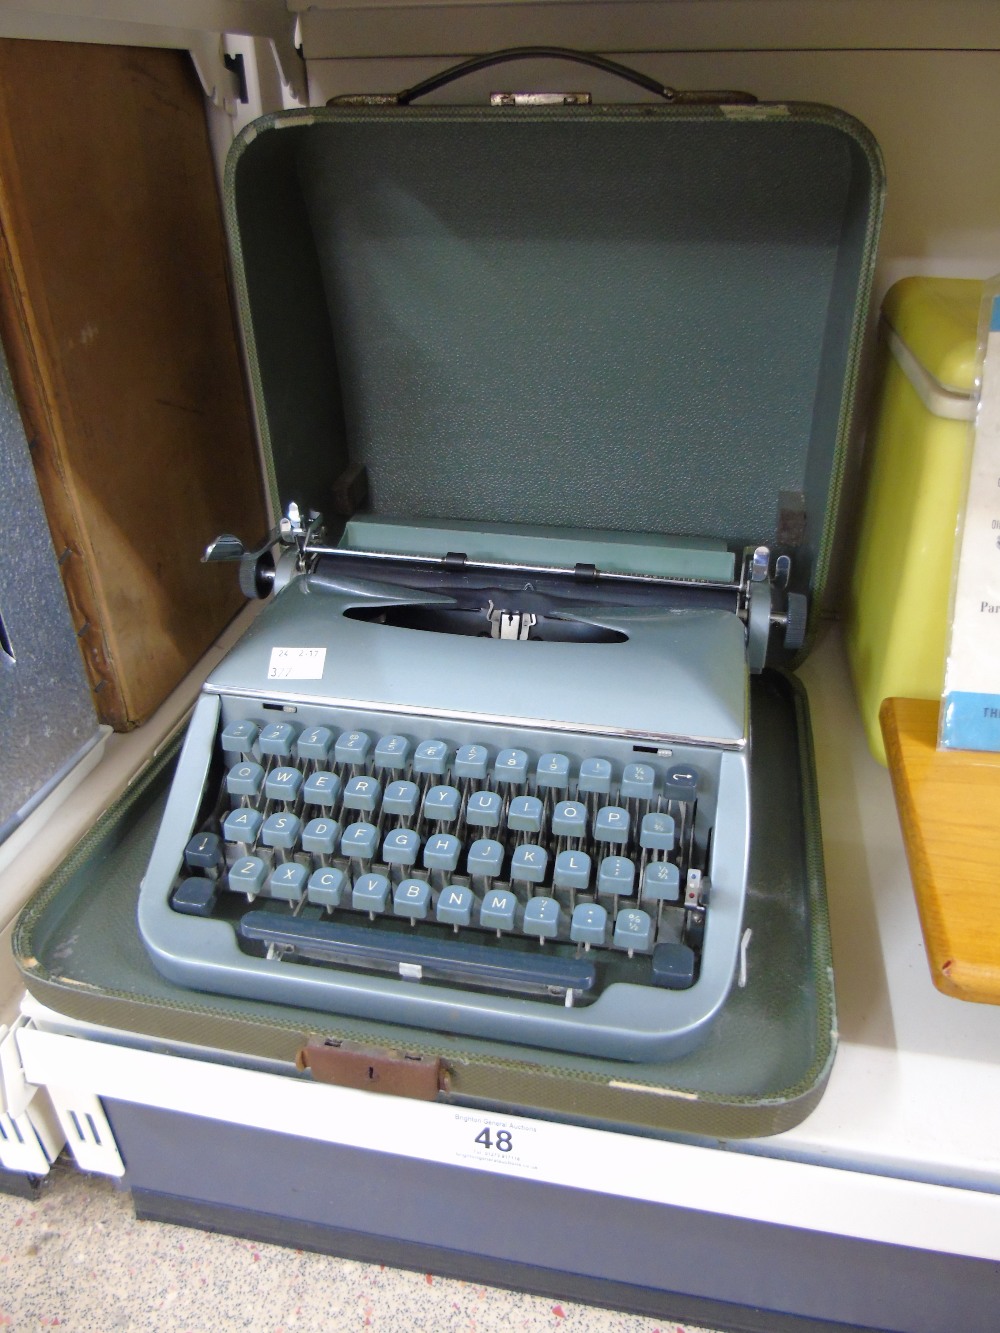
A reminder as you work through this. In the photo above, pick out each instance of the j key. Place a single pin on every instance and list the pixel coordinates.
(242, 825)
(239, 737)
(204, 852)
(412, 899)
(431, 757)
(278, 740)
(485, 858)
(316, 744)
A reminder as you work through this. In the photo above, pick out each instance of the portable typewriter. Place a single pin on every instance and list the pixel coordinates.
(493, 778)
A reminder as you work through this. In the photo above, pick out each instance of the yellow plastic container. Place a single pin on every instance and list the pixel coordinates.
(898, 603)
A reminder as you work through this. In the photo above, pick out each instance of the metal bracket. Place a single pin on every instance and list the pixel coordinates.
(540, 99)
(349, 1065)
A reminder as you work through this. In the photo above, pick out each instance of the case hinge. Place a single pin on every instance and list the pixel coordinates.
(347, 1064)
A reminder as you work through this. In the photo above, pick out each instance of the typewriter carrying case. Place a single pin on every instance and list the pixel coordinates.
(639, 319)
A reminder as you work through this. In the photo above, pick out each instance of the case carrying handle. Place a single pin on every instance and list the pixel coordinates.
(471, 66)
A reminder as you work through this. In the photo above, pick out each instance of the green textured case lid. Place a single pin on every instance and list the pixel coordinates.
(641, 318)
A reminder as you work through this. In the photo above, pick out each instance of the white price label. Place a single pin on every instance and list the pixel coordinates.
(497, 1142)
(296, 664)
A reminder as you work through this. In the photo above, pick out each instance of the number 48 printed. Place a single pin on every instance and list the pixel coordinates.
(502, 1141)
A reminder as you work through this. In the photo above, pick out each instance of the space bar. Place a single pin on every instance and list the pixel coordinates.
(419, 958)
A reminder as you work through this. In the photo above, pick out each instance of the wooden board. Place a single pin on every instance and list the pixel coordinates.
(949, 809)
(116, 317)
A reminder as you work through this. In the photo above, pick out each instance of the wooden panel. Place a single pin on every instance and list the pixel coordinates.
(116, 314)
(949, 809)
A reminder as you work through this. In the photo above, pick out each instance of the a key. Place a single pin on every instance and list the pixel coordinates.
(277, 739)
(326, 887)
(412, 899)
(370, 893)
(455, 905)
(281, 831)
(321, 789)
(242, 825)
(319, 837)
(541, 918)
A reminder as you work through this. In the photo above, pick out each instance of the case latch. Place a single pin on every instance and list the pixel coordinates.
(540, 99)
(347, 1064)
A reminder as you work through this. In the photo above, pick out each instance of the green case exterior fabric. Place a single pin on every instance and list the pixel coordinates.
(762, 1070)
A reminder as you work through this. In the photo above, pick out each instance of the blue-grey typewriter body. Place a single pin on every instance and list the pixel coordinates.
(571, 387)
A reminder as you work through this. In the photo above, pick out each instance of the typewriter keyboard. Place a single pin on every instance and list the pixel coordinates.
(479, 864)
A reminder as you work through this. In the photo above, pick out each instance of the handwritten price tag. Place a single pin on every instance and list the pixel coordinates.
(296, 664)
